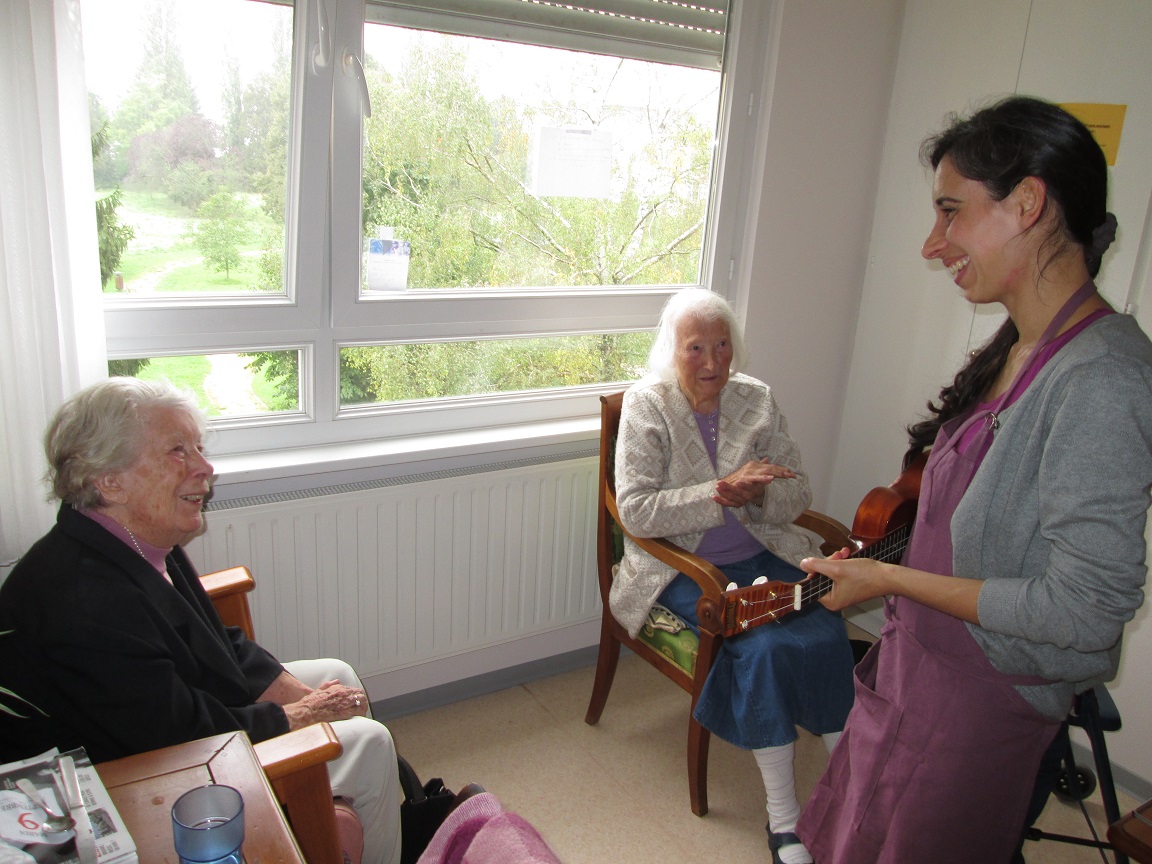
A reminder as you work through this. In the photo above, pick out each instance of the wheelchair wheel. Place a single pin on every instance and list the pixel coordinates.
(1085, 783)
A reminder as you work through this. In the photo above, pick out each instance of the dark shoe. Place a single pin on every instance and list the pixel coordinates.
(466, 793)
(775, 841)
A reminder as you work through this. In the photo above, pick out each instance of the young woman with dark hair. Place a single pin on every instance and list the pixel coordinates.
(1028, 554)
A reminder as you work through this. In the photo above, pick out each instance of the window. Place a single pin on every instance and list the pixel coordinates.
(399, 217)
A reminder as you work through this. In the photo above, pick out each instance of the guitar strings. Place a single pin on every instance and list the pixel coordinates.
(890, 549)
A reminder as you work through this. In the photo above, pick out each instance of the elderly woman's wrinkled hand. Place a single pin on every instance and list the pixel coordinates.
(746, 484)
(329, 702)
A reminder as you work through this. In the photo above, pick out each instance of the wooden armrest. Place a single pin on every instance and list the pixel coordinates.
(228, 591)
(224, 583)
(703, 573)
(707, 576)
(835, 534)
(294, 751)
(1132, 833)
(296, 764)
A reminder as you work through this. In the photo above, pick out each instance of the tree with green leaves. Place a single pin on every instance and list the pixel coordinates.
(443, 369)
(415, 172)
(112, 235)
(256, 127)
(161, 95)
(189, 185)
(224, 225)
(447, 168)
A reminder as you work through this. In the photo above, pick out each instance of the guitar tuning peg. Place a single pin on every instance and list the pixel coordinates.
(732, 586)
(759, 580)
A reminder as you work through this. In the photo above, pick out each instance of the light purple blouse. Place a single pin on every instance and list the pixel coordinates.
(730, 542)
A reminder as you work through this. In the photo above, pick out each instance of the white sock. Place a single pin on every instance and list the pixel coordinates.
(830, 739)
(776, 768)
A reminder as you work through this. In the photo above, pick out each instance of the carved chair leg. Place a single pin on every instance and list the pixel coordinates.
(605, 672)
(698, 740)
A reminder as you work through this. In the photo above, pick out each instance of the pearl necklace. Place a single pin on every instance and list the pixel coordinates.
(132, 537)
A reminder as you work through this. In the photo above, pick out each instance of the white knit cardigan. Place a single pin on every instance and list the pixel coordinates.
(665, 482)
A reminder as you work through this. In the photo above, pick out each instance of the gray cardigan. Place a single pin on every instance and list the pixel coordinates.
(1054, 518)
(665, 482)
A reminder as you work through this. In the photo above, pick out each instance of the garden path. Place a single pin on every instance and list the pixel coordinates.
(229, 386)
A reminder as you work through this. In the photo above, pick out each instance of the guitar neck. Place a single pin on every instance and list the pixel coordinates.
(754, 605)
(888, 549)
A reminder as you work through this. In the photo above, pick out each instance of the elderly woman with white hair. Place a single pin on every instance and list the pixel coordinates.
(109, 642)
(704, 458)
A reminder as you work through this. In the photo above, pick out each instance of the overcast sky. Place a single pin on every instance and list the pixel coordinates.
(212, 30)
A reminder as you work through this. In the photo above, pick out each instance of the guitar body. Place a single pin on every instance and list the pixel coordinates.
(887, 508)
(882, 526)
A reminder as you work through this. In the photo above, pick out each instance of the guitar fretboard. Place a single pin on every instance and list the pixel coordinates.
(888, 549)
(758, 604)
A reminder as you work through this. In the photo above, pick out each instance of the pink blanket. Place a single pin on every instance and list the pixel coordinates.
(480, 831)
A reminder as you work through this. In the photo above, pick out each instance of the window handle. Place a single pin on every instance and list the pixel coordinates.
(322, 49)
(353, 66)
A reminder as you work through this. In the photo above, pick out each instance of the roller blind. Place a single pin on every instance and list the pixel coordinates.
(666, 31)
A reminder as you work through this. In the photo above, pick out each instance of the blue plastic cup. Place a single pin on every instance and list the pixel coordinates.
(208, 825)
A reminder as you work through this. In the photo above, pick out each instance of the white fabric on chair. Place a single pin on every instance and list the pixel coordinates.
(366, 772)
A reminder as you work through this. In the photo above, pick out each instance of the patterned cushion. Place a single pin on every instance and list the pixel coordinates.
(666, 632)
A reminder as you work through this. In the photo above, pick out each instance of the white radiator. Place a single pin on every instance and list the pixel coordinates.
(420, 570)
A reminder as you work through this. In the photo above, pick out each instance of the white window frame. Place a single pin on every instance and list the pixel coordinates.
(322, 311)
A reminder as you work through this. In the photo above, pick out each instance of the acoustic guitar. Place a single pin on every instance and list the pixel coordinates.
(880, 529)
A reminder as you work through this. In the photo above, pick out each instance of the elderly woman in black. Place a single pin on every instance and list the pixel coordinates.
(108, 641)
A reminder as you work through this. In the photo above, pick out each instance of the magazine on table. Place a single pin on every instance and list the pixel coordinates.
(29, 833)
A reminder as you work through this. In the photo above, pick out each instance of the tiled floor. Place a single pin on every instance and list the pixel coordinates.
(618, 791)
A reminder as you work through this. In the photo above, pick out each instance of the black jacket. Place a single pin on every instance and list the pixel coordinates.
(98, 650)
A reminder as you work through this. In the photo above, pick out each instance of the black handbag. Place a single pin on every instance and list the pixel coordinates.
(424, 809)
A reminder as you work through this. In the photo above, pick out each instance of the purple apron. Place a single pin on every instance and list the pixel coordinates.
(940, 754)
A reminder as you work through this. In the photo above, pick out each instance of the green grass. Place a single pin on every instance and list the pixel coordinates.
(190, 372)
(198, 277)
(186, 373)
(146, 201)
(162, 258)
(135, 265)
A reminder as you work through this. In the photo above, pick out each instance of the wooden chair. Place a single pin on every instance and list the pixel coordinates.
(296, 763)
(688, 661)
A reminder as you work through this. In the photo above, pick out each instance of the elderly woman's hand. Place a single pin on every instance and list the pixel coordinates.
(746, 484)
(329, 702)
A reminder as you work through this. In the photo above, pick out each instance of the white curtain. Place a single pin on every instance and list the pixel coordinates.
(51, 316)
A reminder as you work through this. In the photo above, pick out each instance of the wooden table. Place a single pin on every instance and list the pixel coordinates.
(144, 788)
(1132, 834)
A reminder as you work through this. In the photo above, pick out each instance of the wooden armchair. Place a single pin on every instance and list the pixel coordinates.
(684, 658)
(295, 763)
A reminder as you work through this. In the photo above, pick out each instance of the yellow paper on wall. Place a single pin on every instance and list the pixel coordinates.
(1104, 121)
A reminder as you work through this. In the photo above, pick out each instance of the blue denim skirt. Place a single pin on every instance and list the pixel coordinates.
(766, 682)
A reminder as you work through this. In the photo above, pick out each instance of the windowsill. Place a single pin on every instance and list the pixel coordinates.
(288, 470)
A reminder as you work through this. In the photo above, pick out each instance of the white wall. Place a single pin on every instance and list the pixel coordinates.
(913, 328)
(827, 95)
